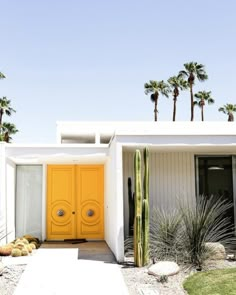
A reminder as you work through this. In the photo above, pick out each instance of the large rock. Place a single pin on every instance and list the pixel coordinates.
(217, 251)
(164, 268)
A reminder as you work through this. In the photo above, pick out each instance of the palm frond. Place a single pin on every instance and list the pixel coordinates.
(2, 76)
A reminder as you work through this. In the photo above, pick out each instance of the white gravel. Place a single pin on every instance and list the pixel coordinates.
(138, 279)
(10, 278)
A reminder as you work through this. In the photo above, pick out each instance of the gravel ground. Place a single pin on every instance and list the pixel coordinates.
(140, 282)
(10, 278)
(137, 279)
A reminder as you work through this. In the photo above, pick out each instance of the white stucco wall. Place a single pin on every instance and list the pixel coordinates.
(10, 196)
(114, 227)
(3, 229)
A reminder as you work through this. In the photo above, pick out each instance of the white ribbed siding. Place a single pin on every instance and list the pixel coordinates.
(172, 178)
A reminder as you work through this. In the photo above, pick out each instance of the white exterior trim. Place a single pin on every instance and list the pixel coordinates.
(168, 138)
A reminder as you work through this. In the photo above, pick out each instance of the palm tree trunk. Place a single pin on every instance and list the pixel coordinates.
(192, 104)
(155, 110)
(1, 114)
(231, 117)
(174, 110)
(6, 137)
(202, 113)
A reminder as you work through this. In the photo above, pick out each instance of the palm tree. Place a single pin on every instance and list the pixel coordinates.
(8, 130)
(5, 107)
(156, 88)
(191, 71)
(203, 97)
(228, 109)
(177, 83)
(2, 76)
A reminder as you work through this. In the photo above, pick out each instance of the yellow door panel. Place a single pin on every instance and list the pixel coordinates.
(90, 191)
(75, 202)
(61, 223)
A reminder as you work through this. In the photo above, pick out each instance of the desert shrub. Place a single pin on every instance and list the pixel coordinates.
(165, 235)
(207, 221)
(182, 235)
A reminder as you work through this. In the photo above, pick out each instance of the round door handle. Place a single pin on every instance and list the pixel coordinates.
(90, 213)
(60, 212)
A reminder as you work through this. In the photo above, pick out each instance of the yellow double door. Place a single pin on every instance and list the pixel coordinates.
(75, 202)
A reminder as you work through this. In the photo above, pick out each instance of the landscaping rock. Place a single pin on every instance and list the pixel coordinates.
(164, 268)
(218, 251)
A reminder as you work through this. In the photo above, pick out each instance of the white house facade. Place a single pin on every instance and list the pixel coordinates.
(77, 188)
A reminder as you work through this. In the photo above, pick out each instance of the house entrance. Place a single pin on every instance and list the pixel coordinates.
(75, 201)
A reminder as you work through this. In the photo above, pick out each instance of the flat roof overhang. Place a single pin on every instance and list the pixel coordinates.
(61, 154)
(197, 149)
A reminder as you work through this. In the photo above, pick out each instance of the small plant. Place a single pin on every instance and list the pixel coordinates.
(19, 245)
(32, 245)
(15, 252)
(24, 252)
(162, 279)
(32, 239)
(22, 240)
(28, 247)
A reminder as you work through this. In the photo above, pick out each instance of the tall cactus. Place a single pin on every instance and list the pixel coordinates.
(131, 207)
(141, 215)
(145, 217)
(138, 211)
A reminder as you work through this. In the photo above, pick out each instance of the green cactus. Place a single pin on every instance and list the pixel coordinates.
(138, 210)
(141, 215)
(24, 252)
(131, 207)
(145, 216)
(15, 252)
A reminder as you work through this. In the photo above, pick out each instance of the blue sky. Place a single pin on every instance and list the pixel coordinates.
(88, 60)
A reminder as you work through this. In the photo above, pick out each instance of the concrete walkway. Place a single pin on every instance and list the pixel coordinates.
(59, 271)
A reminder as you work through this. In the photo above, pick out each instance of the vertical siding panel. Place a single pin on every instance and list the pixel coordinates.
(161, 173)
(158, 179)
(172, 177)
(189, 172)
(156, 182)
(180, 178)
(151, 158)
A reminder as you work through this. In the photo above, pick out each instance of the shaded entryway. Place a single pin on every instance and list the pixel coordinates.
(89, 250)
